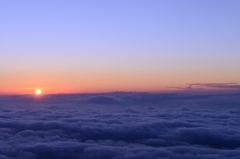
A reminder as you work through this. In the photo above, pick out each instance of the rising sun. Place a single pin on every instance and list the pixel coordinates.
(38, 91)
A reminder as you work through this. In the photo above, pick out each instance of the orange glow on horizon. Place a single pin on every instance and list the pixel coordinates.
(96, 82)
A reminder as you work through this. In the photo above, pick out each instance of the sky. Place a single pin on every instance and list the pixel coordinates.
(100, 46)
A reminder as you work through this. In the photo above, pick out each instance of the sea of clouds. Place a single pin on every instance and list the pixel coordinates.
(120, 126)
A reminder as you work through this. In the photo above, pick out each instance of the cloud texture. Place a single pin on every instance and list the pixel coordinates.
(119, 126)
(204, 86)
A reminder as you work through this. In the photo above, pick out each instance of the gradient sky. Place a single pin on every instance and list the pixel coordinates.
(75, 46)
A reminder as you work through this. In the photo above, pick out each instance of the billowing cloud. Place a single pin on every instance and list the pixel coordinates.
(122, 125)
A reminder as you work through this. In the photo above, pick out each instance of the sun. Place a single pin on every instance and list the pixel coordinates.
(38, 92)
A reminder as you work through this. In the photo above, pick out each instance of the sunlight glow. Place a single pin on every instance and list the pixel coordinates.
(38, 91)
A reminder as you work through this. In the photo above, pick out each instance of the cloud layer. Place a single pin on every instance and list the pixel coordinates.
(119, 125)
(206, 86)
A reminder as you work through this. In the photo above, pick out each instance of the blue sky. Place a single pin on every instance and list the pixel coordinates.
(170, 42)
